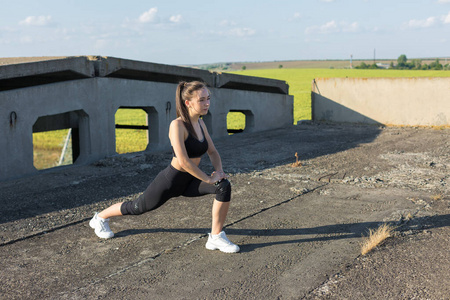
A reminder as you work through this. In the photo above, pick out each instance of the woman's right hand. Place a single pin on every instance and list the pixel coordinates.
(215, 177)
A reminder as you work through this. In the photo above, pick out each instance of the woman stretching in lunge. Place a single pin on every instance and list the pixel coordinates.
(190, 140)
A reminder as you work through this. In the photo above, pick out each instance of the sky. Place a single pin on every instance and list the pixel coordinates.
(199, 32)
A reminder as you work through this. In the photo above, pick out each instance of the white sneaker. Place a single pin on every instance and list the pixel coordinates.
(101, 227)
(222, 243)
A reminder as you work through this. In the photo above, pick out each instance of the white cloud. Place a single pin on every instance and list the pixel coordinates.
(328, 27)
(443, 1)
(149, 16)
(353, 27)
(241, 32)
(176, 19)
(428, 22)
(152, 20)
(232, 29)
(447, 18)
(227, 23)
(8, 29)
(36, 21)
(327, 1)
(296, 17)
(421, 23)
(333, 27)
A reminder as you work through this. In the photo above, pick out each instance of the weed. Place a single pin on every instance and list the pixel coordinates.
(297, 162)
(440, 127)
(437, 197)
(409, 217)
(376, 237)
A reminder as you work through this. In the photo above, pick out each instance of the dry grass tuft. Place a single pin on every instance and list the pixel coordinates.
(376, 237)
(409, 217)
(441, 127)
(297, 162)
(437, 197)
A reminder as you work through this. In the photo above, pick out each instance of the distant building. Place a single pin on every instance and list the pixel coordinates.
(383, 66)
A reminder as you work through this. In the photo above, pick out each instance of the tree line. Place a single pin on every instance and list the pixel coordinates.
(403, 64)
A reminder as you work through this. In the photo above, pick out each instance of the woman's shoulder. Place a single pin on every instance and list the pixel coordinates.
(177, 125)
(177, 122)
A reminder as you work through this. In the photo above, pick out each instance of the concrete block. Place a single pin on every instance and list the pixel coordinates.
(46, 95)
(415, 101)
(251, 83)
(146, 71)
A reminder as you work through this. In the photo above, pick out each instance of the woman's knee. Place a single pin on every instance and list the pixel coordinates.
(223, 191)
(136, 207)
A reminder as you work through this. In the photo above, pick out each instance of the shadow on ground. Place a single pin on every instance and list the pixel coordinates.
(320, 233)
(117, 178)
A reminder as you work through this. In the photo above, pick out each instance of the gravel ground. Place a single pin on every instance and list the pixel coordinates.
(299, 228)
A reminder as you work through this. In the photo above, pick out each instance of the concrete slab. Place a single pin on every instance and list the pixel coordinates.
(251, 83)
(21, 60)
(35, 67)
(295, 231)
(131, 69)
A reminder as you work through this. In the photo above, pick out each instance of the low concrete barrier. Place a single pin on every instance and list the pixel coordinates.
(84, 94)
(390, 101)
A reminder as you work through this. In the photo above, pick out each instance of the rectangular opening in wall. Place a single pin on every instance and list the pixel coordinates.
(52, 149)
(132, 130)
(56, 139)
(235, 122)
(239, 120)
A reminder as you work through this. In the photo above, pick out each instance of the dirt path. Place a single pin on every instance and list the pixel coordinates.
(299, 228)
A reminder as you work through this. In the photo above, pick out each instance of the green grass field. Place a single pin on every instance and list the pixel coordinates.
(131, 140)
(300, 81)
(47, 146)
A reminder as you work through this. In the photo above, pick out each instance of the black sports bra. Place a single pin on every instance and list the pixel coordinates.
(194, 147)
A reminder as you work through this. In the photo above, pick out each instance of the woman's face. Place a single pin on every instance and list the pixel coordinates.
(199, 104)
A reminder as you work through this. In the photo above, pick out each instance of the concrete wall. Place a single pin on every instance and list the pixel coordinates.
(84, 93)
(390, 101)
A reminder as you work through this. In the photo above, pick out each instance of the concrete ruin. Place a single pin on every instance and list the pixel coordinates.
(84, 93)
(419, 101)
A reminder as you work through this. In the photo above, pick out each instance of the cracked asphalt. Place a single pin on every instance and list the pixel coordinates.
(299, 228)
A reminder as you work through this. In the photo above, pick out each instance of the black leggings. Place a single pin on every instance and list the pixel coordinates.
(171, 183)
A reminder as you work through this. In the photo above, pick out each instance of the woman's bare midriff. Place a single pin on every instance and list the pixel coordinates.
(176, 164)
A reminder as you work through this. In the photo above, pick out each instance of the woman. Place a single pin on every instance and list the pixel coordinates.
(190, 140)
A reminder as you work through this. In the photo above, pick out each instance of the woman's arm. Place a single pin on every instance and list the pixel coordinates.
(213, 154)
(177, 135)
